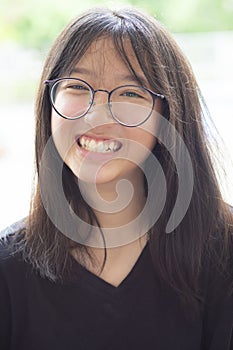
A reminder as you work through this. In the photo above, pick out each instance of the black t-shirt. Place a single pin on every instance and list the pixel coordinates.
(89, 313)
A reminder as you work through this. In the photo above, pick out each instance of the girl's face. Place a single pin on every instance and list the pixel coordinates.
(95, 147)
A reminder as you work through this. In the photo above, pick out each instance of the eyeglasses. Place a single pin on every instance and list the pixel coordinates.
(130, 105)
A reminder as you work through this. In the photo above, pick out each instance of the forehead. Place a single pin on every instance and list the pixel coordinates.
(102, 57)
(106, 45)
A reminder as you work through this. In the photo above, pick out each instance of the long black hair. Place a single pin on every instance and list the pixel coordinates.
(205, 231)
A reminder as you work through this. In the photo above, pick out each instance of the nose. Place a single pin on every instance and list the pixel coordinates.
(101, 96)
(99, 112)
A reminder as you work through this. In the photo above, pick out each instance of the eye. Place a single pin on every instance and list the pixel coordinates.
(132, 94)
(76, 87)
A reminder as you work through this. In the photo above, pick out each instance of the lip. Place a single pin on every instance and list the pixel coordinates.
(97, 155)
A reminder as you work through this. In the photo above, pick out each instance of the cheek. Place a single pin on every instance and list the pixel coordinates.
(63, 134)
(56, 122)
(143, 138)
(140, 145)
(146, 134)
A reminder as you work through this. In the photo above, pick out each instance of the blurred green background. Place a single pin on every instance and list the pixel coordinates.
(36, 23)
(28, 28)
(202, 28)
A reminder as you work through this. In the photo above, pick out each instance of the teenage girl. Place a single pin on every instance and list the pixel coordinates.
(128, 243)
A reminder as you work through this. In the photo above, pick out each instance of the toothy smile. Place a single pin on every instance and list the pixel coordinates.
(98, 145)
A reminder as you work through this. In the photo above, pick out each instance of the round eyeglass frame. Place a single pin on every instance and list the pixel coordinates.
(51, 84)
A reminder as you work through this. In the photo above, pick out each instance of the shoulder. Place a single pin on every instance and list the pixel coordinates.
(12, 229)
(11, 260)
(218, 310)
(13, 281)
(9, 238)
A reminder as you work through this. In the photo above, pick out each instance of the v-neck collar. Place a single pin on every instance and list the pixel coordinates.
(100, 285)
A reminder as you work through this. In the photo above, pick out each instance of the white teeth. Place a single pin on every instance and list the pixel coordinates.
(98, 146)
(91, 144)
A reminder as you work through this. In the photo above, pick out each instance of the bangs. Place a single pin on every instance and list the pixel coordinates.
(121, 30)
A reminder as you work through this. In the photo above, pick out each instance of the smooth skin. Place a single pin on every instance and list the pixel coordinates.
(102, 67)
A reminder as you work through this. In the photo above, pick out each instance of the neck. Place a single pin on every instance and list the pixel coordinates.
(106, 199)
(118, 202)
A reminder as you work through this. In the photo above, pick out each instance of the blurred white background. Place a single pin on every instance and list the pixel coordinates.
(211, 55)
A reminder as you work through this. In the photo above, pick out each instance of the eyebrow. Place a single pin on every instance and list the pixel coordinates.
(121, 77)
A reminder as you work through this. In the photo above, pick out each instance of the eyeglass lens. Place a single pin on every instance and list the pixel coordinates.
(129, 105)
